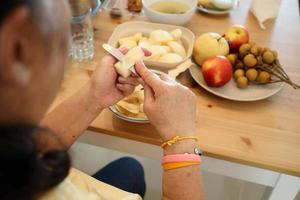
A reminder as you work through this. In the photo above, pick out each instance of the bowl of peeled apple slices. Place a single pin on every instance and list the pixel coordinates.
(170, 45)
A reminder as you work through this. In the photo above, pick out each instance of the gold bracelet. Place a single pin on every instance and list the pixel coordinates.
(177, 139)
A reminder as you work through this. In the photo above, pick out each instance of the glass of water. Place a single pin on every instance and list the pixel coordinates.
(82, 38)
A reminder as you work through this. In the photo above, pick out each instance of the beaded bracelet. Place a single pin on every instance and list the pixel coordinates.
(177, 139)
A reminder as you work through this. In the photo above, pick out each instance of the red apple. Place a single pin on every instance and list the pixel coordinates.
(217, 71)
(236, 36)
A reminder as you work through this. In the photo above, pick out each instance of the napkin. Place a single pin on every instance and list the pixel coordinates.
(264, 10)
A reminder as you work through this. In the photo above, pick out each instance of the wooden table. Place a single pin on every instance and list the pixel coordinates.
(264, 134)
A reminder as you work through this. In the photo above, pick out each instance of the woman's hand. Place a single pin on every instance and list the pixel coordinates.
(170, 106)
(107, 87)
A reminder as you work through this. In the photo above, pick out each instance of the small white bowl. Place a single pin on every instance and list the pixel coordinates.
(175, 19)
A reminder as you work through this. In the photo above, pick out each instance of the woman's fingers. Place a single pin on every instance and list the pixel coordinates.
(126, 89)
(148, 77)
(124, 50)
(130, 80)
(149, 94)
(167, 78)
(147, 52)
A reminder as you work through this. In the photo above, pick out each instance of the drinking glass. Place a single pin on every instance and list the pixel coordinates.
(82, 38)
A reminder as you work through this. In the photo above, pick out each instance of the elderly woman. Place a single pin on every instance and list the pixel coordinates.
(33, 147)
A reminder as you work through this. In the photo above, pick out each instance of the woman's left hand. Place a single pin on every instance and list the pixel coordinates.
(107, 86)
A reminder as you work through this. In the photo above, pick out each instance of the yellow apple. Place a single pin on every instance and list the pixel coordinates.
(209, 45)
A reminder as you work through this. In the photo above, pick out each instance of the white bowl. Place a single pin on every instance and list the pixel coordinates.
(130, 28)
(175, 19)
(132, 119)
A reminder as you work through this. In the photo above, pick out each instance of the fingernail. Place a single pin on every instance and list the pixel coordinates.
(119, 85)
(121, 79)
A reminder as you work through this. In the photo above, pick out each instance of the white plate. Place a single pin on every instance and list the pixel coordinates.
(132, 119)
(213, 12)
(232, 92)
(126, 118)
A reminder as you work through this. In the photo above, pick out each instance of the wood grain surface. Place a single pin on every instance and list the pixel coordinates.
(264, 134)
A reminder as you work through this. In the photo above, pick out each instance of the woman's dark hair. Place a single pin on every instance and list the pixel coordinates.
(25, 173)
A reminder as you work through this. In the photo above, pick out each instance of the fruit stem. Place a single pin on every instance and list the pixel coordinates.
(220, 37)
(280, 74)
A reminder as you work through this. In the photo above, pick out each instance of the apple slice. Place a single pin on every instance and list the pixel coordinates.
(157, 51)
(177, 48)
(177, 34)
(170, 58)
(160, 37)
(130, 107)
(128, 44)
(134, 55)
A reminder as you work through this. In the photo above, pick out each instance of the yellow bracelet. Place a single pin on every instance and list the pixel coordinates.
(176, 139)
(170, 166)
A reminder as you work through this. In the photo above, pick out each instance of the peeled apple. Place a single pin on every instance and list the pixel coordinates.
(128, 44)
(177, 48)
(177, 34)
(137, 37)
(160, 37)
(130, 107)
(170, 58)
(134, 55)
(126, 39)
(157, 51)
(160, 43)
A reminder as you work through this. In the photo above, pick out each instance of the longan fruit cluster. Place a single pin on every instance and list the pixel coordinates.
(247, 61)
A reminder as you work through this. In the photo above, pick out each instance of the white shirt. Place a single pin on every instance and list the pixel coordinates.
(78, 186)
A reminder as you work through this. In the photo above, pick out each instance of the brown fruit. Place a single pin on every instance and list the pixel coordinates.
(242, 82)
(239, 65)
(254, 50)
(275, 54)
(250, 60)
(242, 55)
(264, 77)
(232, 58)
(251, 74)
(259, 60)
(238, 73)
(259, 49)
(268, 57)
(245, 48)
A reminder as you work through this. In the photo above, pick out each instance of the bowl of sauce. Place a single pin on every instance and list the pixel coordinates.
(176, 12)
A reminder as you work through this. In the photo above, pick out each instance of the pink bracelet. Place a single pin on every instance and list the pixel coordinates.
(180, 158)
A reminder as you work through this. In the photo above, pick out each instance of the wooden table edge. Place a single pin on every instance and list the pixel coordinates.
(157, 143)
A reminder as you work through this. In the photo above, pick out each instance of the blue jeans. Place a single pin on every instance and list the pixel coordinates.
(125, 173)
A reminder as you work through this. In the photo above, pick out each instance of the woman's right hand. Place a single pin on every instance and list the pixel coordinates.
(170, 106)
